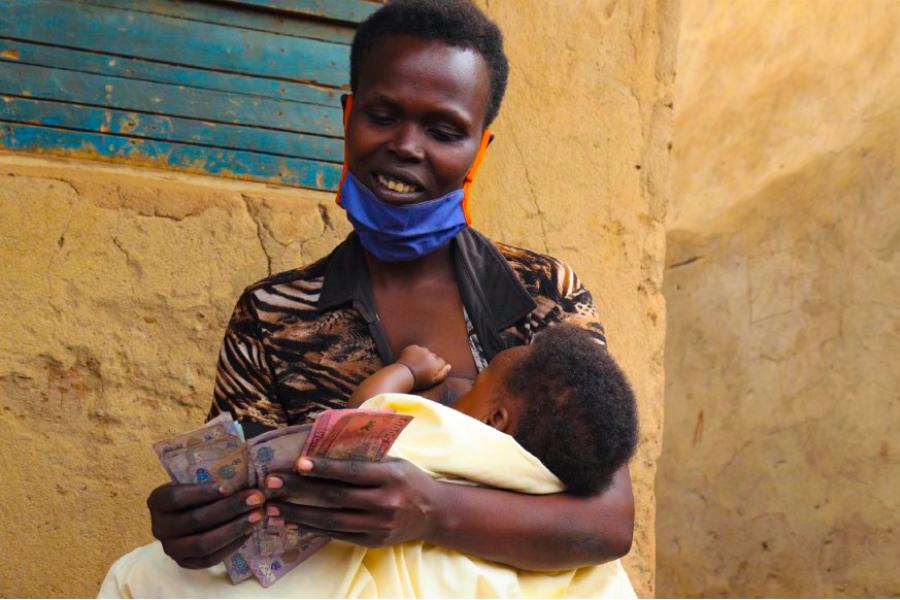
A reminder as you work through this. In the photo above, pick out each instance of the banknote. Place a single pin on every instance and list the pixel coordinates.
(208, 431)
(339, 433)
(229, 470)
(238, 564)
(218, 452)
(167, 450)
(360, 435)
(321, 428)
(272, 452)
(269, 569)
(214, 452)
(180, 461)
(277, 450)
(213, 429)
(265, 539)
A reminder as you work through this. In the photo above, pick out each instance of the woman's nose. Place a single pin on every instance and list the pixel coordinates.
(407, 143)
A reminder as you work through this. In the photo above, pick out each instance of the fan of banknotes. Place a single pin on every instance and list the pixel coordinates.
(218, 452)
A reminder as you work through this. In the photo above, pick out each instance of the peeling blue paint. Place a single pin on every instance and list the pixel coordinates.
(126, 82)
(291, 171)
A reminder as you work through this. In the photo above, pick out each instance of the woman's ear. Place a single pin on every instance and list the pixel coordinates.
(499, 419)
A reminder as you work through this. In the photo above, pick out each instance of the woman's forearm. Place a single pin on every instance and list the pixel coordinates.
(539, 533)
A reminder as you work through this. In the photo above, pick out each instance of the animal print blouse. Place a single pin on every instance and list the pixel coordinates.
(301, 341)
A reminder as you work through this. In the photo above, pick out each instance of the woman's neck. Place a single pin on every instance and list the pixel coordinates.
(437, 266)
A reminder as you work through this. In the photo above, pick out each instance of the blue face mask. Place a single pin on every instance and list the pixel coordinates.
(394, 233)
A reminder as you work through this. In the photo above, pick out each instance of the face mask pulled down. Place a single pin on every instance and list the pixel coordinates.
(394, 233)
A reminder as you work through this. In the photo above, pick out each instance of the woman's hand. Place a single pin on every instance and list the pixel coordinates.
(198, 525)
(368, 504)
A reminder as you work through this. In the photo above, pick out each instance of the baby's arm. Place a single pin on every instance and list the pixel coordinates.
(417, 368)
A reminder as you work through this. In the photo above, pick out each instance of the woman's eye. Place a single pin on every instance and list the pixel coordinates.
(380, 119)
(444, 135)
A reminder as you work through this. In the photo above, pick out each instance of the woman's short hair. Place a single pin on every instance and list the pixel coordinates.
(454, 22)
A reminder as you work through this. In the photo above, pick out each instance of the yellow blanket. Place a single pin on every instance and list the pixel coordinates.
(447, 445)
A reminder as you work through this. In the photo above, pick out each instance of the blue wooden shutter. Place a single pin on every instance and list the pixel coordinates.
(241, 88)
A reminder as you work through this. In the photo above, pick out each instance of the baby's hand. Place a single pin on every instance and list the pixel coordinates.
(428, 368)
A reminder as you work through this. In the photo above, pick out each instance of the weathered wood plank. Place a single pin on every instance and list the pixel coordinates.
(236, 16)
(117, 66)
(339, 10)
(173, 129)
(128, 94)
(175, 40)
(198, 159)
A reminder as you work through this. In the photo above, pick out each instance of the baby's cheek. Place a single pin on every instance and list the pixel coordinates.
(448, 391)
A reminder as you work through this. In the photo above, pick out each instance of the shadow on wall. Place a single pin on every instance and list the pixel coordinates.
(780, 458)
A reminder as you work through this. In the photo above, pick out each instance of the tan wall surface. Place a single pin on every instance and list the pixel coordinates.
(580, 170)
(779, 473)
(116, 283)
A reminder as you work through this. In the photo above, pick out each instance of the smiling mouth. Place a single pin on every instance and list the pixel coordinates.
(396, 185)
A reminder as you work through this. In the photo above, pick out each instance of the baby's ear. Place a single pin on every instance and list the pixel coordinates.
(499, 419)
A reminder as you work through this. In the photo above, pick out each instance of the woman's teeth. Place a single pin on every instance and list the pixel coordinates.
(394, 185)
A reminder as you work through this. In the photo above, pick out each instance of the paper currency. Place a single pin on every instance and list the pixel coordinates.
(321, 427)
(218, 452)
(362, 435)
(277, 450)
(270, 569)
(272, 452)
(173, 453)
(223, 460)
(229, 469)
(340, 434)
(354, 434)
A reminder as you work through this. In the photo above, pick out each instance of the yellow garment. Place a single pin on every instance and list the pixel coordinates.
(445, 443)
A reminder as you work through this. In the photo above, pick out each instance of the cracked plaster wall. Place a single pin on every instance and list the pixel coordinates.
(116, 282)
(779, 472)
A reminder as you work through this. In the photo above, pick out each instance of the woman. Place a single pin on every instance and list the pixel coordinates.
(427, 79)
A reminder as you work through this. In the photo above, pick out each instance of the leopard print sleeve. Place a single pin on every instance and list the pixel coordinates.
(244, 378)
(559, 295)
(574, 303)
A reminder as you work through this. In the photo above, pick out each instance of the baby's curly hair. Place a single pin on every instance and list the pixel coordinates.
(580, 415)
(454, 22)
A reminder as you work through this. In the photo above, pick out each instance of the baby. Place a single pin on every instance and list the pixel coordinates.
(562, 398)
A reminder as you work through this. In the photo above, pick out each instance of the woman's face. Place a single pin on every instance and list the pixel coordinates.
(417, 118)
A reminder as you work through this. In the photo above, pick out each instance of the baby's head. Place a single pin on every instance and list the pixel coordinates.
(565, 400)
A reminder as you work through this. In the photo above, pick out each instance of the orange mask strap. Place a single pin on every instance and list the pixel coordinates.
(470, 176)
(347, 107)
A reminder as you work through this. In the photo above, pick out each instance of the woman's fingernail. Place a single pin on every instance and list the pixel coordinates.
(255, 499)
(305, 465)
(276, 522)
(292, 526)
(272, 511)
(254, 517)
(274, 482)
